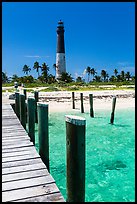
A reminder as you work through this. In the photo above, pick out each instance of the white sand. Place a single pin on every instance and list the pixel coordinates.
(62, 101)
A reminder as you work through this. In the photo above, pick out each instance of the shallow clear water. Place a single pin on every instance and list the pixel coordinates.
(110, 154)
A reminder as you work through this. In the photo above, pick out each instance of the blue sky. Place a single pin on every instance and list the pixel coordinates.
(97, 34)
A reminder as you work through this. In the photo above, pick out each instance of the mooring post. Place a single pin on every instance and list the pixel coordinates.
(17, 105)
(73, 101)
(25, 93)
(113, 110)
(81, 98)
(36, 96)
(91, 105)
(31, 119)
(43, 134)
(75, 158)
(22, 110)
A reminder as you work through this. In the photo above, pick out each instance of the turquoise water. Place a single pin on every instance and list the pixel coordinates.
(110, 154)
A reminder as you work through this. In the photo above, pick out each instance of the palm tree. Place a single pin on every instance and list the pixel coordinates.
(66, 77)
(54, 67)
(97, 78)
(103, 74)
(115, 72)
(36, 66)
(79, 79)
(4, 77)
(112, 78)
(88, 71)
(122, 75)
(26, 69)
(45, 69)
(14, 77)
(107, 76)
(93, 72)
(118, 77)
(128, 76)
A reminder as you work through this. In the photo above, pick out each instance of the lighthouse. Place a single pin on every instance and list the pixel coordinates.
(60, 53)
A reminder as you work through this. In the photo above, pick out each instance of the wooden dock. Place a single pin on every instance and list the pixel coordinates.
(25, 177)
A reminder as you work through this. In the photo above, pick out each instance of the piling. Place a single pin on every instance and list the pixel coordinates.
(25, 93)
(75, 164)
(113, 110)
(36, 96)
(91, 105)
(17, 105)
(73, 101)
(22, 110)
(43, 134)
(31, 119)
(81, 99)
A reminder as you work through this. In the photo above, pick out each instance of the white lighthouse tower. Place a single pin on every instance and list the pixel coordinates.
(60, 53)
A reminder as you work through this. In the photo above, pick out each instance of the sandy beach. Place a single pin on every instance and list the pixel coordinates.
(62, 100)
(101, 100)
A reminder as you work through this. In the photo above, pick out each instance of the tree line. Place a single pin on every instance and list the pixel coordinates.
(45, 77)
(104, 76)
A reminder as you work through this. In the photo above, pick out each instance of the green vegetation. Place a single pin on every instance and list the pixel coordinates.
(66, 82)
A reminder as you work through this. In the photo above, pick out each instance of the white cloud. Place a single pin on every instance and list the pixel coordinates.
(33, 56)
(123, 63)
(37, 56)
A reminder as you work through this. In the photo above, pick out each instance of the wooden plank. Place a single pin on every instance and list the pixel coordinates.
(15, 141)
(21, 157)
(23, 144)
(13, 126)
(29, 167)
(54, 197)
(14, 138)
(29, 192)
(22, 162)
(18, 149)
(24, 175)
(15, 154)
(27, 182)
(13, 134)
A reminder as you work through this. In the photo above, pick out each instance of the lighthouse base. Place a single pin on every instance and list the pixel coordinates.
(60, 64)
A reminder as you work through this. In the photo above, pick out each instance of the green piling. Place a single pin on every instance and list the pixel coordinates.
(36, 96)
(81, 99)
(113, 110)
(31, 119)
(17, 105)
(91, 105)
(25, 93)
(73, 101)
(43, 134)
(22, 110)
(75, 159)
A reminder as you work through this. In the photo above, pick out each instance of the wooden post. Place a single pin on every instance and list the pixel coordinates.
(81, 98)
(113, 110)
(36, 96)
(31, 119)
(25, 93)
(22, 110)
(91, 105)
(75, 165)
(73, 100)
(17, 105)
(43, 134)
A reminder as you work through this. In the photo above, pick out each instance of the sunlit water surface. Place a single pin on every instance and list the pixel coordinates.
(110, 154)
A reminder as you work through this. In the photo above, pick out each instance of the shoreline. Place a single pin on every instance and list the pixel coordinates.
(61, 101)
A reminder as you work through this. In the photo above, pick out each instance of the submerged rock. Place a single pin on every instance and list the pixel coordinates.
(115, 165)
